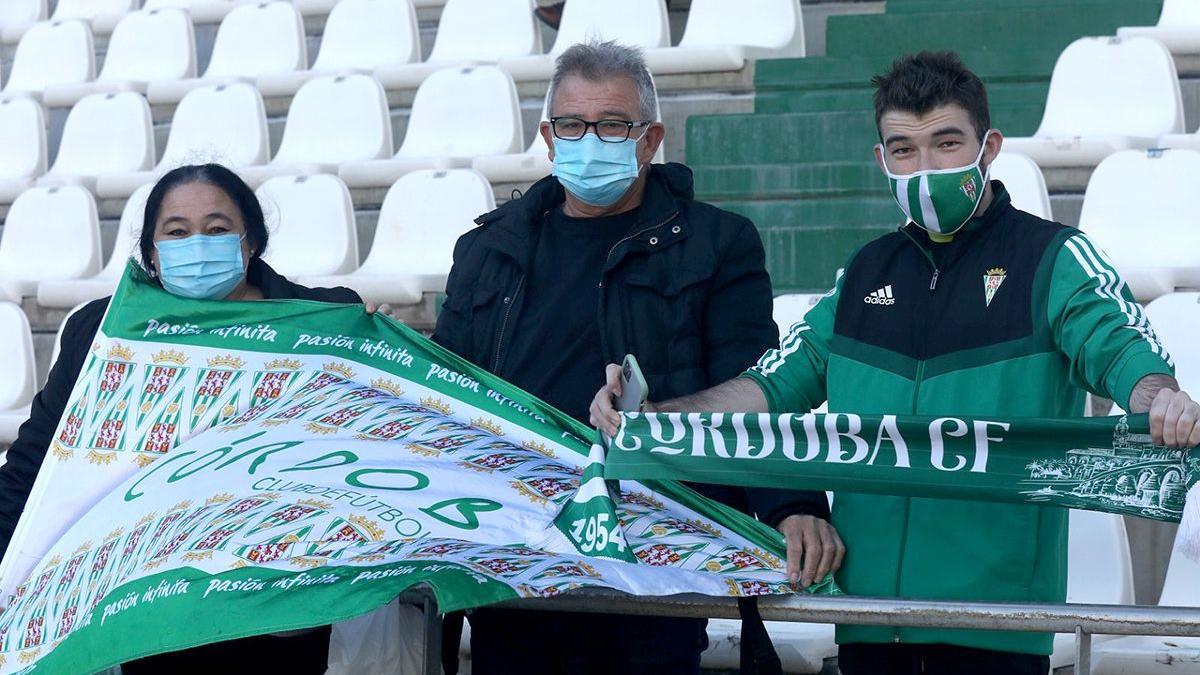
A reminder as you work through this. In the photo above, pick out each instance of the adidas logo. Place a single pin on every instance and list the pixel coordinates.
(882, 296)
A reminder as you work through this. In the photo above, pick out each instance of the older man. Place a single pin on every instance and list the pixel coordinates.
(610, 256)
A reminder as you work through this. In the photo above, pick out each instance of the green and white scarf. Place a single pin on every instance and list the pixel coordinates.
(1098, 464)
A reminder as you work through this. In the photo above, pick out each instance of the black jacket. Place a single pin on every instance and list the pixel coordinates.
(33, 439)
(686, 292)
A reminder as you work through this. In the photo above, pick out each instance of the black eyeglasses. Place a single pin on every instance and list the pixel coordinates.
(609, 131)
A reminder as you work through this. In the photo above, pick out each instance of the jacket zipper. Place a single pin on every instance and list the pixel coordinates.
(600, 305)
(504, 324)
(917, 378)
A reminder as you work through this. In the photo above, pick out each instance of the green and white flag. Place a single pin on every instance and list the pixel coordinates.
(227, 469)
(1097, 464)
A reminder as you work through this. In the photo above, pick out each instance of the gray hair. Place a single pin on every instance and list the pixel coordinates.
(598, 61)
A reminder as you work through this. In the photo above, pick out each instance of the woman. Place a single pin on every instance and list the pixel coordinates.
(202, 237)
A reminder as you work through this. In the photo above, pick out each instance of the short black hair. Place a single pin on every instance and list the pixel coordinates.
(918, 83)
(217, 176)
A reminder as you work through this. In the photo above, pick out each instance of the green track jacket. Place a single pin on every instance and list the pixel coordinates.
(1017, 316)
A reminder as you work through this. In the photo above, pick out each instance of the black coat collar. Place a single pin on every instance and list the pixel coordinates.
(512, 228)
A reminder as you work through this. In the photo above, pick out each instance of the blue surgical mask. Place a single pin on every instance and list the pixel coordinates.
(202, 267)
(596, 172)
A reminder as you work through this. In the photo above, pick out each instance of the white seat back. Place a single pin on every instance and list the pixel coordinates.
(312, 225)
(1113, 86)
(156, 44)
(129, 232)
(14, 13)
(776, 25)
(17, 374)
(639, 23)
(22, 138)
(1180, 588)
(40, 222)
(423, 215)
(1175, 317)
(1140, 208)
(52, 53)
(1025, 183)
(106, 133)
(367, 34)
(790, 309)
(1099, 570)
(1183, 13)
(259, 39)
(336, 119)
(464, 112)
(225, 124)
(486, 30)
(91, 10)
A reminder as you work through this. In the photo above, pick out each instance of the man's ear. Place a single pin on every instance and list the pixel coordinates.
(548, 137)
(991, 147)
(879, 157)
(655, 133)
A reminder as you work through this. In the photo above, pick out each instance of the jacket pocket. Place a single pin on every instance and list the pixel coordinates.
(663, 314)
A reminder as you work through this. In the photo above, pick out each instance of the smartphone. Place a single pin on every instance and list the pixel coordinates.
(633, 386)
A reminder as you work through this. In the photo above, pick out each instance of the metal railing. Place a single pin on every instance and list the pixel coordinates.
(1082, 620)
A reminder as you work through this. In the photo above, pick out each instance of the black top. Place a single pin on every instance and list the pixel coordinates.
(564, 366)
(25, 457)
(685, 290)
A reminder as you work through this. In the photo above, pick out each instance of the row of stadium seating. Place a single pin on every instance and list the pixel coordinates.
(315, 234)
(313, 237)
(154, 50)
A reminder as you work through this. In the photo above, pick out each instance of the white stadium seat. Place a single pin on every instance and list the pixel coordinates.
(721, 35)
(201, 11)
(333, 120)
(104, 133)
(1149, 655)
(360, 36)
(62, 293)
(457, 114)
(640, 23)
(252, 41)
(422, 216)
(17, 374)
(147, 46)
(1175, 317)
(1106, 95)
(18, 16)
(22, 145)
(1024, 182)
(312, 225)
(1178, 27)
(50, 53)
(471, 32)
(1140, 208)
(103, 15)
(32, 247)
(802, 647)
(790, 309)
(222, 123)
(1099, 571)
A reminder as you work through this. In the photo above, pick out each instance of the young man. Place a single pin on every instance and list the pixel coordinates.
(972, 308)
(612, 255)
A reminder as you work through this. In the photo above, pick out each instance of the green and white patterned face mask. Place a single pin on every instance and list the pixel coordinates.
(939, 200)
